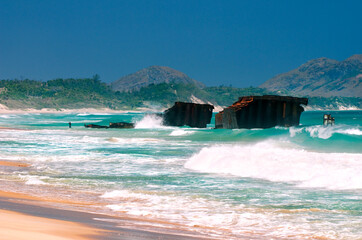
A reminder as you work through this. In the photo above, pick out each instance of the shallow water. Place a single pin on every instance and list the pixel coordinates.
(302, 182)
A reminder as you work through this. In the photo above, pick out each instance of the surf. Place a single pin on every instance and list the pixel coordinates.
(278, 162)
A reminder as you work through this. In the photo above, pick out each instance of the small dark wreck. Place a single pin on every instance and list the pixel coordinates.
(261, 112)
(188, 114)
(111, 125)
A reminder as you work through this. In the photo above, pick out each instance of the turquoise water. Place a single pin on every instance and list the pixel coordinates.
(302, 182)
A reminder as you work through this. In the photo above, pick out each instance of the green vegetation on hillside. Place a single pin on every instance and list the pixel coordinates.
(92, 93)
(58, 93)
(164, 94)
(225, 96)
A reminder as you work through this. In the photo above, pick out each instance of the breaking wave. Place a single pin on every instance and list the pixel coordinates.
(325, 132)
(267, 160)
(150, 121)
(181, 132)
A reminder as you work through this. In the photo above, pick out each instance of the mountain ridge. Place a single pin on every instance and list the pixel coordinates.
(152, 75)
(321, 77)
(322, 80)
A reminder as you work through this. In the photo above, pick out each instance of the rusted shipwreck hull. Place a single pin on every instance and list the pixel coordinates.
(261, 112)
(189, 114)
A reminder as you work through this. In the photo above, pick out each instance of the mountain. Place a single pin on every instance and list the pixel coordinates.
(321, 77)
(152, 75)
(159, 87)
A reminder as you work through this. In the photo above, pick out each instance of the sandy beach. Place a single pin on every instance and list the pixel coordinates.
(24, 217)
(156, 182)
(19, 224)
(13, 164)
(16, 225)
(31, 217)
(5, 110)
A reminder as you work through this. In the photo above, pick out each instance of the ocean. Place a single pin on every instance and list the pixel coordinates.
(302, 182)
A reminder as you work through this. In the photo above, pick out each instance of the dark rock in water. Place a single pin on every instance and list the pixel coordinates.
(328, 120)
(190, 114)
(111, 125)
(94, 126)
(261, 112)
(121, 125)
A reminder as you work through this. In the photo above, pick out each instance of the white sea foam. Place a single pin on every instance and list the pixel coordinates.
(267, 160)
(124, 194)
(325, 132)
(168, 206)
(180, 132)
(6, 116)
(320, 131)
(294, 131)
(88, 139)
(351, 131)
(348, 107)
(134, 140)
(33, 180)
(61, 158)
(216, 217)
(150, 121)
(337, 107)
(90, 114)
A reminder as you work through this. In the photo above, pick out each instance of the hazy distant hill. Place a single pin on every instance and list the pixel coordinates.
(152, 75)
(322, 77)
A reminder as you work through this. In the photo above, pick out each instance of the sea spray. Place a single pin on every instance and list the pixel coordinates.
(150, 121)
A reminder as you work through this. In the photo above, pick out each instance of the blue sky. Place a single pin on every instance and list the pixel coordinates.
(239, 43)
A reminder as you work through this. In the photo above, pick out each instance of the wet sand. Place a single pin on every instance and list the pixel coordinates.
(24, 221)
(24, 217)
(7, 128)
(14, 225)
(13, 164)
(31, 217)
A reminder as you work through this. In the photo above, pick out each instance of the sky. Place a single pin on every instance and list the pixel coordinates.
(238, 43)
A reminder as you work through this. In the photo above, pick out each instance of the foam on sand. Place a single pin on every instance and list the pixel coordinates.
(34, 180)
(219, 218)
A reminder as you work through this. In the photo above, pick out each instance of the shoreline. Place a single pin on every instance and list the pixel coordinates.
(24, 216)
(17, 225)
(5, 110)
(29, 217)
(29, 148)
